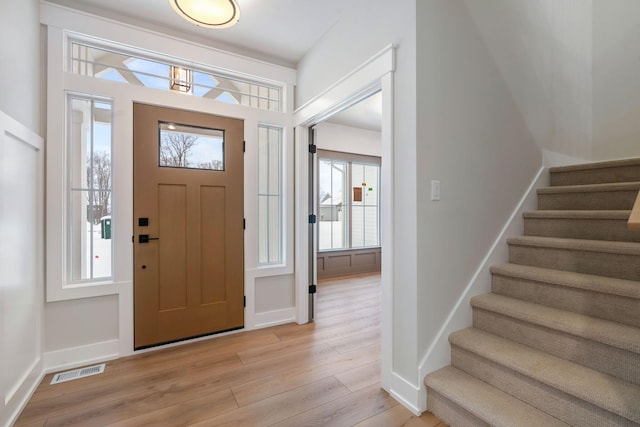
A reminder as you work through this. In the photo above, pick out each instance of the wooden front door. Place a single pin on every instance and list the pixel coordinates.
(188, 224)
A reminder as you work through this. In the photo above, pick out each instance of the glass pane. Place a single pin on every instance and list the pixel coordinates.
(263, 160)
(183, 146)
(274, 229)
(332, 210)
(370, 190)
(357, 227)
(269, 190)
(357, 179)
(371, 237)
(149, 73)
(90, 177)
(124, 68)
(263, 236)
(274, 161)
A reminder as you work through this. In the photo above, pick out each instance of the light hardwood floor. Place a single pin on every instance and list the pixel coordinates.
(324, 373)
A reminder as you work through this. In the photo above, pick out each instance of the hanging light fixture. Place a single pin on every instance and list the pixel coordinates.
(181, 79)
(208, 13)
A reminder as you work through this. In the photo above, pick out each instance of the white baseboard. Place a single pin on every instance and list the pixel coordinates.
(438, 353)
(406, 393)
(12, 408)
(275, 317)
(74, 357)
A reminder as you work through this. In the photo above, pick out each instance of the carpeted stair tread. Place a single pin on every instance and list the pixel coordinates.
(578, 214)
(609, 285)
(610, 333)
(599, 389)
(590, 188)
(486, 402)
(625, 248)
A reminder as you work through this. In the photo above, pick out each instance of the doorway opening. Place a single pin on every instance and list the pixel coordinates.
(345, 178)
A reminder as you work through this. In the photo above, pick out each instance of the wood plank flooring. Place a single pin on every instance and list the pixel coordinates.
(325, 373)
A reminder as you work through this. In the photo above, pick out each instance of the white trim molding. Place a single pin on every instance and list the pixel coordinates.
(21, 265)
(70, 358)
(375, 74)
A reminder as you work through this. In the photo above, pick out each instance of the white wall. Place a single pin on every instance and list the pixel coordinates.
(20, 61)
(473, 139)
(361, 33)
(543, 53)
(616, 79)
(571, 68)
(335, 137)
(21, 207)
(72, 323)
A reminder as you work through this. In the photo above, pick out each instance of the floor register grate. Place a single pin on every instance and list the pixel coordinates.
(77, 373)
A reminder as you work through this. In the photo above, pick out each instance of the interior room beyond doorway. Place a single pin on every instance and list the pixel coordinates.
(348, 190)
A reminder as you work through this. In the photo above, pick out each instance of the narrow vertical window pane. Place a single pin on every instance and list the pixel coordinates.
(89, 141)
(269, 195)
(333, 211)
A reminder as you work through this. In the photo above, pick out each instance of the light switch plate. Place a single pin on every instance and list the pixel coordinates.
(435, 190)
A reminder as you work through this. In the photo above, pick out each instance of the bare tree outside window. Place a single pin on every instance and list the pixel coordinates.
(184, 146)
(99, 179)
(175, 148)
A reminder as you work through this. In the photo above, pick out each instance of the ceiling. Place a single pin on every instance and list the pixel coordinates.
(278, 31)
(366, 114)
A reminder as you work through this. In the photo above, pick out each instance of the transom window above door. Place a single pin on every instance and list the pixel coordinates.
(164, 74)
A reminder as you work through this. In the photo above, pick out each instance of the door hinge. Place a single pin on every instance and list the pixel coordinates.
(313, 149)
(244, 223)
(244, 146)
(133, 239)
(245, 301)
(312, 219)
(313, 289)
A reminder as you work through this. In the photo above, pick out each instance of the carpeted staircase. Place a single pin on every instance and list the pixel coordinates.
(557, 342)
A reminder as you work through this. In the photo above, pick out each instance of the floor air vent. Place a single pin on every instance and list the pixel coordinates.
(77, 373)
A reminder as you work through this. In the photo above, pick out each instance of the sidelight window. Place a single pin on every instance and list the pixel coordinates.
(89, 147)
(269, 195)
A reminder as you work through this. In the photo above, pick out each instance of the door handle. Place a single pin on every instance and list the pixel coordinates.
(144, 238)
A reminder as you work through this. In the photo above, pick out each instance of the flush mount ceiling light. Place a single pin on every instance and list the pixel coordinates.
(208, 13)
